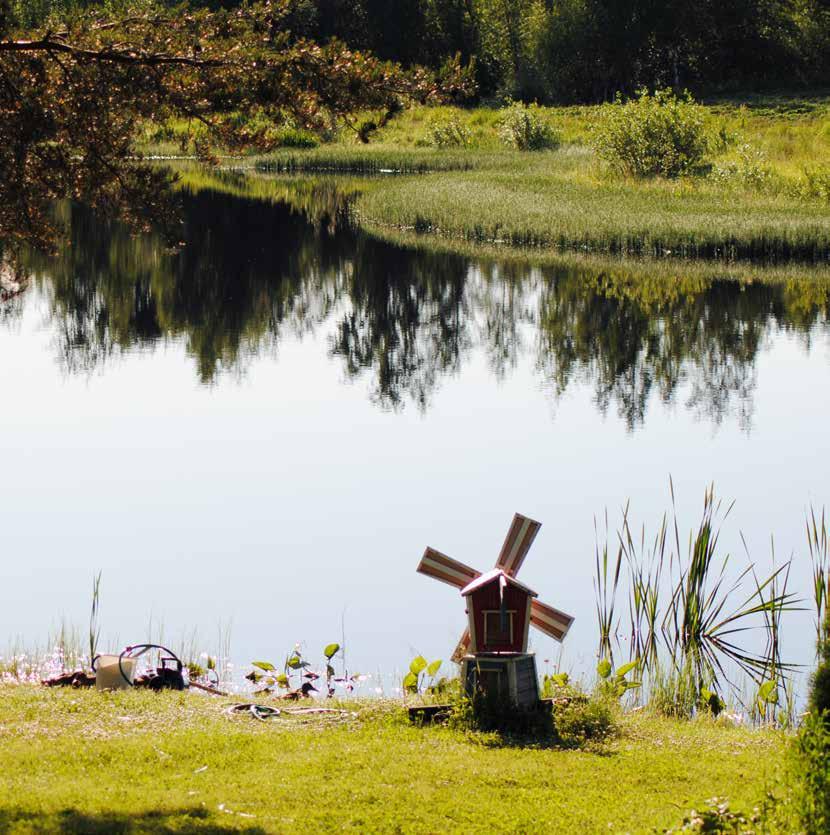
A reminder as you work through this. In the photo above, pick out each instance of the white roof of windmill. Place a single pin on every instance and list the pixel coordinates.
(489, 576)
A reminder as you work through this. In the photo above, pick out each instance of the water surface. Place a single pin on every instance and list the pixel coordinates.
(268, 426)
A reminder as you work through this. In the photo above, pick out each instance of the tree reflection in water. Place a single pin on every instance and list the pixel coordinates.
(254, 270)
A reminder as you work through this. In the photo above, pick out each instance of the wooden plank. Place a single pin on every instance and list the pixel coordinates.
(441, 567)
(549, 620)
(517, 543)
(424, 714)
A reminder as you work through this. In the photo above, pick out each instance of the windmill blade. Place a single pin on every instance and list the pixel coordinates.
(549, 620)
(447, 570)
(463, 647)
(517, 543)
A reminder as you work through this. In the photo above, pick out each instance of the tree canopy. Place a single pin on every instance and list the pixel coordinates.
(73, 90)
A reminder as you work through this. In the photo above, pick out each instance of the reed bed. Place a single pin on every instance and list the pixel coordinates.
(699, 631)
(370, 160)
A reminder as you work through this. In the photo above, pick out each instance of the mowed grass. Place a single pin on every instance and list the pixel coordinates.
(140, 762)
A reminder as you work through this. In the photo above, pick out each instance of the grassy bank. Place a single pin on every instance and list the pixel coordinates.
(561, 200)
(762, 195)
(133, 762)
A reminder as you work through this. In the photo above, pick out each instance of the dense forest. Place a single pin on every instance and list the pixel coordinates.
(562, 51)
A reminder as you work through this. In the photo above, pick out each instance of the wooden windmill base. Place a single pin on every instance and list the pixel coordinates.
(501, 679)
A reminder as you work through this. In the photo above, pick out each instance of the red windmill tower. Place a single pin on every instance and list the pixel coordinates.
(493, 649)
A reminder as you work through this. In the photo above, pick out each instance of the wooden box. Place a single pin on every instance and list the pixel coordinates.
(509, 678)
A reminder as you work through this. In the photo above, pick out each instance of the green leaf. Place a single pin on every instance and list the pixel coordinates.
(295, 662)
(331, 650)
(418, 665)
(329, 671)
(434, 668)
(410, 682)
(627, 668)
(211, 663)
(264, 665)
(604, 668)
(560, 679)
(282, 680)
(768, 692)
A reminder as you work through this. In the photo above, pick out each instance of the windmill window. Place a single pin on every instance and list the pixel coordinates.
(498, 627)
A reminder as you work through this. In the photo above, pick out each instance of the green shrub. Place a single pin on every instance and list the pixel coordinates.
(584, 722)
(450, 134)
(296, 138)
(652, 135)
(525, 128)
(820, 683)
(816, 183)
(750, 171)
(812, 759)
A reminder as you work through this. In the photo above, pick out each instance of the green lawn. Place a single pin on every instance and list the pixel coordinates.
(75, 761)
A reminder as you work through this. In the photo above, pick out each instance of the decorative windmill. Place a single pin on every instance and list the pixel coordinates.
(493, 649)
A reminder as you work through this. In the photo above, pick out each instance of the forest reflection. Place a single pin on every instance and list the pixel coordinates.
(254, 271)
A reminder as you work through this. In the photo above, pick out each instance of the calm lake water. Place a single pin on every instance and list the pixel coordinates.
(268, 427)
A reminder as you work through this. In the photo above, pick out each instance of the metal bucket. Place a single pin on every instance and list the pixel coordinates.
(109, 675)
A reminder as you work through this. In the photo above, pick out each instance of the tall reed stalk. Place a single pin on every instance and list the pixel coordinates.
(94, 617)
(703, 623)
(690, 615)
(819, 547)
(605, 590)
(645, 571)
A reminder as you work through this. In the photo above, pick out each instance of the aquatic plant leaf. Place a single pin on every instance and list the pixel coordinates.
(604, 668)
(626, 668)
(418, 665)
(331, 650)
(282, 680)
(267, 666)
(433, 668)
(295, 662)
(410, 682)
(768, 692)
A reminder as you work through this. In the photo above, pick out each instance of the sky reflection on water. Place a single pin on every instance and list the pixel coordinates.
(269, 427)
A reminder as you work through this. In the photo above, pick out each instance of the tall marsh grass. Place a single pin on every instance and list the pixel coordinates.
(691, 619)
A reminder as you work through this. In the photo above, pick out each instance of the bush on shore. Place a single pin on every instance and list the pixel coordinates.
(525, 128)
(659, 134)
